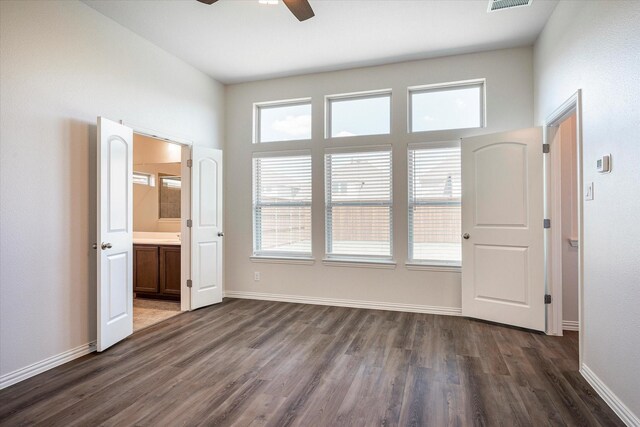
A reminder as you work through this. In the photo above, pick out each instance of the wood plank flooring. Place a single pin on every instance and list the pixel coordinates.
(255, 363)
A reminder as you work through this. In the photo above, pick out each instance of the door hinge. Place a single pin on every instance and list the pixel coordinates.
(189, 163)
(189, 283)
(547, 223)
(546, 148)
(547, 299)
(189, 223)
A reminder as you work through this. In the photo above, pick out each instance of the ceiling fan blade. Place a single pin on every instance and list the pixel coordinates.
(208, 1)
(300, 8)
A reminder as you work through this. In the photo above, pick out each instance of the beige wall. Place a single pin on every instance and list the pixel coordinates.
(61, 65)
(595, 46)
(155, 157)
(568, 179)
(509, 106)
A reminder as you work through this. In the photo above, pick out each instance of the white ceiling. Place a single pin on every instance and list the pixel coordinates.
(242, 40)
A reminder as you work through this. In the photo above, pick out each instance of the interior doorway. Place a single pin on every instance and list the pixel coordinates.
(157, 240)
(200, 211)
(564, 195)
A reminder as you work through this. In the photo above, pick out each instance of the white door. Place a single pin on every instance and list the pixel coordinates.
(502, 226)
(115, 233)
(206, 230)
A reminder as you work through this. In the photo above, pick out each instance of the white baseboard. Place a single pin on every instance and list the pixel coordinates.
(412, 308)
(625, 414)
(46, 364)
(570, 325)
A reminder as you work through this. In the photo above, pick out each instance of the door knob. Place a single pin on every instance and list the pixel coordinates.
(106, 246)
(94, 246)
(466, 235)
(220, 234)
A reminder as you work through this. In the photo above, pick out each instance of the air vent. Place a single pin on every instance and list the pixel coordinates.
(495, 5)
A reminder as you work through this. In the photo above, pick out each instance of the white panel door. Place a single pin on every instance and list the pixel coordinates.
(502, 226)
(115, 233)
(206, 231)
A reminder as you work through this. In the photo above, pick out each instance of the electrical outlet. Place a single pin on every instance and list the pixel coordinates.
(588, 192)
(256, 276)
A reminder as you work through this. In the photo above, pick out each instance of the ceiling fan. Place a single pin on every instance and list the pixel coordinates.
(300, 8)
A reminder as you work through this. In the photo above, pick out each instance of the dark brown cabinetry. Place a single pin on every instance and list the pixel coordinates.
(156, 271)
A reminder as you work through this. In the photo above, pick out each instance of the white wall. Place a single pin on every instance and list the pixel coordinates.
(509, 105)
(61, 65)
(595, 46)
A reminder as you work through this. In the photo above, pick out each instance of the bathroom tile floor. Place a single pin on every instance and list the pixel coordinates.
(147, 312)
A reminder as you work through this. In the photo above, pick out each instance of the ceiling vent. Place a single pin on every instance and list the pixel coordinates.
(495, 5)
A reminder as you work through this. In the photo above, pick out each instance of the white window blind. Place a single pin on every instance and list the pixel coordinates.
(282, 205)
(434, 204)
(359, 204)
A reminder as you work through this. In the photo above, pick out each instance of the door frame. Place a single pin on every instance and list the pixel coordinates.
(185, 205)
(553, 236)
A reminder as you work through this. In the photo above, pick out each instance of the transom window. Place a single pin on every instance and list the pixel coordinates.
(435, 204)
(449, 106)
(359, 114)
(282, 205)
(283, 121)
(358, 188)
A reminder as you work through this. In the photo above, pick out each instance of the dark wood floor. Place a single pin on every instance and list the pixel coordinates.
(278, 364)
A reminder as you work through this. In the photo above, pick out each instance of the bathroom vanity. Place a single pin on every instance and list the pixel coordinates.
(156, 265)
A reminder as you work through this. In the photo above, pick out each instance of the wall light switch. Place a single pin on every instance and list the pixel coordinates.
(588, 192)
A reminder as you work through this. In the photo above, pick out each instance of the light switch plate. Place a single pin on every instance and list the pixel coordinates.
(588, 192)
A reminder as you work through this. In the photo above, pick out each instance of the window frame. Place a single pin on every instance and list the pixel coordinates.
(365, 260)
(411, 261)
(328, 114)
(258, 106)
(266, 255)
(443, 87)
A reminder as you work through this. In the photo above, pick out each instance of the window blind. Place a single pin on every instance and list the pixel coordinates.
(435, 205)
(358, 204)
(282, 205)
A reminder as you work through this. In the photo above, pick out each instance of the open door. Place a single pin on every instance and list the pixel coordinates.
(502, 226)
(115, 233)
(206, 228)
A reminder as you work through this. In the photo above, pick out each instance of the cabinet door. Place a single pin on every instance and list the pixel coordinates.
(145, 269)
(170, 270)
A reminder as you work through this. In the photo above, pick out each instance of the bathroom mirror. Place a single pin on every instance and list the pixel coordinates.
(169, 196)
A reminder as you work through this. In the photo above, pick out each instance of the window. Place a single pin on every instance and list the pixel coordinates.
(282, 205)
(142, 178)
(352, 115)
(434, 204)
(283, 121)
(451, 106)
(358, 204)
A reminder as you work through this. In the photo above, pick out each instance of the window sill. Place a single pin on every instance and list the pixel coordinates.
(433, 267)
(283, 260)
(361, 263)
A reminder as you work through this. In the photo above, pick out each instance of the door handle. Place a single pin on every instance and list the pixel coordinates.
(220, 234)
(106, 246)
(466, 235)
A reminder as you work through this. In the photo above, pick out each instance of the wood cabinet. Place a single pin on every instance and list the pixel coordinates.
(156, 271)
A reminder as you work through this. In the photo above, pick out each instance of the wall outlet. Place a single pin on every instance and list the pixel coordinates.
(256, 276)
(588, 192)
